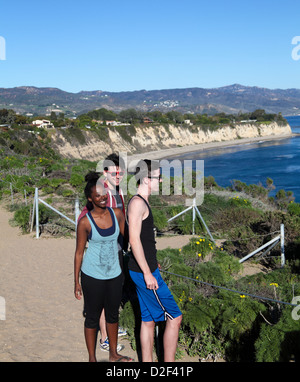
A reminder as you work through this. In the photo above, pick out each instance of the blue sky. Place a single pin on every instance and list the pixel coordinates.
(158, 44)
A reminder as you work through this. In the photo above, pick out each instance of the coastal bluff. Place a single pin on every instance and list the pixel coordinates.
(157, 138)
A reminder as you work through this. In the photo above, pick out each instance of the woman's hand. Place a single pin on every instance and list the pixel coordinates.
(78, 291)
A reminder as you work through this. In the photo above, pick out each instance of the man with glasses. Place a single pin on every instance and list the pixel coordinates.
(156, 301)
(114, 170)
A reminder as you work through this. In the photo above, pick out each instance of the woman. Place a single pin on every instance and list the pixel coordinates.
(101, 275)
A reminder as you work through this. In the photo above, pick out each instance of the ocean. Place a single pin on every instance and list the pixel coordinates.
(254, 163)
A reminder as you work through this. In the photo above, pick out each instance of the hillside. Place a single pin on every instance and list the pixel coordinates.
(229, 99)
(92, 145)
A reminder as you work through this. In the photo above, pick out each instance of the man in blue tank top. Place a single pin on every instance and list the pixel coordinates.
(155, 298)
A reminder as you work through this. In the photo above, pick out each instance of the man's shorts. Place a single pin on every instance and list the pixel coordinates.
(156, 305)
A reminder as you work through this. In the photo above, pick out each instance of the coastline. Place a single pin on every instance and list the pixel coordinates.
(176, 151)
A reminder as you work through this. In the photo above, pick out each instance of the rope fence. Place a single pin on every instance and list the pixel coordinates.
(230, 290)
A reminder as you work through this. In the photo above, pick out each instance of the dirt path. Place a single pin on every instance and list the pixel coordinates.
(43, 321)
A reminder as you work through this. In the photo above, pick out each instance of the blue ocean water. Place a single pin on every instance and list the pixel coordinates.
(254, 163)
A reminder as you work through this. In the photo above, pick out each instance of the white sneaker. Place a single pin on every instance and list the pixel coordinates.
(121, 332)
(105, 345)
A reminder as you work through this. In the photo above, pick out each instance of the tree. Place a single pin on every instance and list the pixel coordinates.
(130, 115)
(7, 116)
(258, 114)
(175, 116)
(270, 184)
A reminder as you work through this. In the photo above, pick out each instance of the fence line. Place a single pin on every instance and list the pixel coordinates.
(271, 244)
(231, 290)
(195, 210)
(36, 201)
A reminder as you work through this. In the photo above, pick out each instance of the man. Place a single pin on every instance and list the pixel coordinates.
(113, 172)
(156, 301)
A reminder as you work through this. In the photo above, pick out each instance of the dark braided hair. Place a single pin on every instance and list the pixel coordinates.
(91, 178)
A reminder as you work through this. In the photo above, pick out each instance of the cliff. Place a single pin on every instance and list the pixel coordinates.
(94, 146)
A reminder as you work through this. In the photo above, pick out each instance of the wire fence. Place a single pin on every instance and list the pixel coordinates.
(230, 290)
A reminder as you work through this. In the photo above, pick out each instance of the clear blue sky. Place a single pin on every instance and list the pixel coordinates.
(125, 45)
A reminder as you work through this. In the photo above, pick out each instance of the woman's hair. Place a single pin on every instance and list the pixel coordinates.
(91, 178)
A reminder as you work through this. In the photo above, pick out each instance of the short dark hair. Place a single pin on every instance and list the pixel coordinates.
(113, 159)
(144, 168)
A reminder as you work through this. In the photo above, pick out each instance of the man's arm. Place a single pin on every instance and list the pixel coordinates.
(136, 211)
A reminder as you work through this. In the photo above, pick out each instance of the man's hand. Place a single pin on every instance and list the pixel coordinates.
(150, 281)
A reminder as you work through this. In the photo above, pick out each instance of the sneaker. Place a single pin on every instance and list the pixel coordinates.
(121, 332)
(105, 345)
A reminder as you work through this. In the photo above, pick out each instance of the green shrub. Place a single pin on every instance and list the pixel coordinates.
(76, 180)
(21, 216)
(280, 342)
(294, 208)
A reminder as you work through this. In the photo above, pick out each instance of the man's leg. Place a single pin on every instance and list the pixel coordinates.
(102, 324)
(147, 340)
(171, 338)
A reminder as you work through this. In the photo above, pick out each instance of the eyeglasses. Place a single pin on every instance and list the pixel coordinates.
(155, 177)
(115, 173)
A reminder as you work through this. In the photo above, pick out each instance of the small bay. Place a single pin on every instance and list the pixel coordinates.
(253, 163)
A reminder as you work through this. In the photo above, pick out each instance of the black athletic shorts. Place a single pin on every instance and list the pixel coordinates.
(98, 295)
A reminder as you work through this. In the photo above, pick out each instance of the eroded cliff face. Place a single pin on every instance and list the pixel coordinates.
(150, 138)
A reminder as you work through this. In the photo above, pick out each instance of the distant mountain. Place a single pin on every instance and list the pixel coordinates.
(229, 99)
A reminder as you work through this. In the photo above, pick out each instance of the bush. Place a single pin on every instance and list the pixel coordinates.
(280, 342)
(294, 209)
(21, 216)
(76, 180)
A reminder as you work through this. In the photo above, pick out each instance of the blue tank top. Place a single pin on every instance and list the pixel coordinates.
(101, 259)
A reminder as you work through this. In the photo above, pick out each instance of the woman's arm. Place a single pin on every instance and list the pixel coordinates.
(121, 219)
(81, 239)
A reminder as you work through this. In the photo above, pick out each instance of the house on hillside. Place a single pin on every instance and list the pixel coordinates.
(116, 123)
(43, 124)
(148, 120)
(4, 127)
